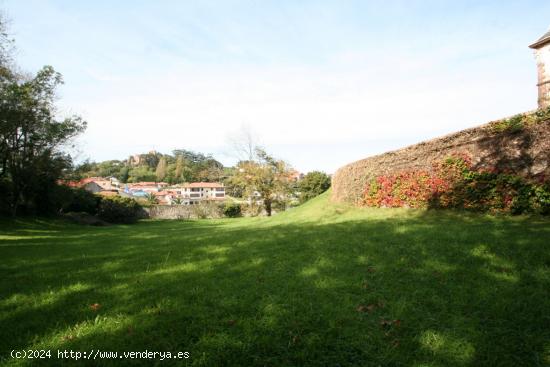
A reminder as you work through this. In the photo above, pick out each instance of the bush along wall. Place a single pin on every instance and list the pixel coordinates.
(119, 210)
(454, 183)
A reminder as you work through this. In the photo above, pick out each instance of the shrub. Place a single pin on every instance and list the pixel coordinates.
(85, 219)
(151, 199)
(82, 201)
(232, 210)
(281, 204)
(518, 122)
(59, 199)
(119, 209)
(455, 184)
(206, 209)
(56, 199)
(541, 199)
(253, 209)
(512, 124)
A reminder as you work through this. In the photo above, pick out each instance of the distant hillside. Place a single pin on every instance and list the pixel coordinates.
(178, 167)
(517, 145)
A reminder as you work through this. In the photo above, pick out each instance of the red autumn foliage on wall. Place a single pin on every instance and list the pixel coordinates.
(454, 183)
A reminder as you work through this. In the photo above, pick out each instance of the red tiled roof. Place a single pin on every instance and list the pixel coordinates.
(148, 184)
(101, 181)
(161, 193)
(68, 183)
(144, 184)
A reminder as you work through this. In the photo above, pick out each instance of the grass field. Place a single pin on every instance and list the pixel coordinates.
(320, 285)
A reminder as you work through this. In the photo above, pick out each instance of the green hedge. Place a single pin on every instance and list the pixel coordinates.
(232, 210)
(119, 209)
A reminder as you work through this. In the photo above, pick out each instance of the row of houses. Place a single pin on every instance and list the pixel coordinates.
(182, 194)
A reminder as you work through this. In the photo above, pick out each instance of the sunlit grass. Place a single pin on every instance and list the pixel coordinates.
(322, 284)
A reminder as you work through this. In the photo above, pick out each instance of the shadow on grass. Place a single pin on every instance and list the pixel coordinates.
(433, 289)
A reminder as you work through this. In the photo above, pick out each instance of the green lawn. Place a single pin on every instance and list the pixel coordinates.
(321, 285)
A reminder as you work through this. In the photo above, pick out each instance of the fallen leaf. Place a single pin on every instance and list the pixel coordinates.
(389, 323)
(68, 337)
(370, 308)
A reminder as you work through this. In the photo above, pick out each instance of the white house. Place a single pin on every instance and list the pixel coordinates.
(201, 191)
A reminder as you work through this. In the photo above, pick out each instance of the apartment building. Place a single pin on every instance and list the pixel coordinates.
(200, 191)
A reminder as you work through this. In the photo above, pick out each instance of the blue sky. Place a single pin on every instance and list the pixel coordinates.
(322, 83)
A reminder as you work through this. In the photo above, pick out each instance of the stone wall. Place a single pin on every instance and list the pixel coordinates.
(525, 152)
(169, 212)
(203, 210)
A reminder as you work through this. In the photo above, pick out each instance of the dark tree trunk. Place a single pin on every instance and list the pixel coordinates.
(267, 204)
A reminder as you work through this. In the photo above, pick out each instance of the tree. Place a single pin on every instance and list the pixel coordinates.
(151, 198)
(180, 163)
(313, 184)
(82, 170)
(151, 159)
(183, 166)
(265, 177)
(141, 173)
(234, 186)
(6, 49)
(31, 137)
(161, 169)
(244, 144)
(209, 170)
(197, 166)
(124, 174)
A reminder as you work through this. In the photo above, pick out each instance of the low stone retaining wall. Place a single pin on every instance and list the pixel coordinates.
(201, 211)
(169, 212)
